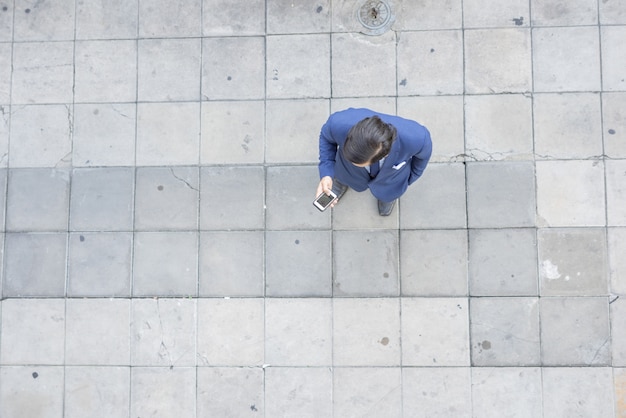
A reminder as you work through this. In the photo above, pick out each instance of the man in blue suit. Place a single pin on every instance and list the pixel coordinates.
(362, 149)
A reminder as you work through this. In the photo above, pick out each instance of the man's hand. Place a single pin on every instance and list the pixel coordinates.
(326, 186)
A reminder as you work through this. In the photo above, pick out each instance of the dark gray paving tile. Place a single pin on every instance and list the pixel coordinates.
(165, 264)
(31, 391)
(575, 331)
(614, 124)
(505, 331)
(578, 391)
(232, 67)
(34, 265)
(162, 391)
(500, 194)
(28, 322)
(298, 332)
(503, 262)
(298, 391)
(232, 198)
(290, 194)
(166, 198)
(365, 263)
(443, 187)
(368, 391)
(231, 263)
(97, 332)
(298, 263)
(114, 20)
(437, 391)
(577, 12)
(224, 391)
(573, 262)
(181, 18)
(96, 391)
(433, 263)
(100, 264)
(102, 199)
(497, 392)
(217, 17)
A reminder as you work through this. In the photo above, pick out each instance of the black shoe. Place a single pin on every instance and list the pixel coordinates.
(385, 209)
(339, 188)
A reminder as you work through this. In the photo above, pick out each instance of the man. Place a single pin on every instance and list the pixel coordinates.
(362, 149)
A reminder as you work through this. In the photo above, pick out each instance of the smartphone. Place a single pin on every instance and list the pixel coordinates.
(323, 200)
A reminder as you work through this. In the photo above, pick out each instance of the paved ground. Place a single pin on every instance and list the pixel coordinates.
(161, 256)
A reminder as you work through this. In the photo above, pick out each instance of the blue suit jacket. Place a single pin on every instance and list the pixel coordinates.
(405, 163)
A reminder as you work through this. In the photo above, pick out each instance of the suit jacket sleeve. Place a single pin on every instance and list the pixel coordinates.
(328, 150)
(421, 158)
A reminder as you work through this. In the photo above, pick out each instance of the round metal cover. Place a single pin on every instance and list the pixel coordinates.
(375, 16)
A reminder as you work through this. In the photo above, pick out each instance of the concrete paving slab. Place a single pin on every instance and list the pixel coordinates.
(360, 211)
(612, 12)
(579, 12)
(436, 392)
(119, 21)
(618, 340)
(230, 390)
(298, 263)
(617, 248)
(6, 23)
(5, 69)
(218, 17)
(614, 124)
(301, 392)
(31, 390)
(616, 192)
(619, 376)
(47, 22)
(503, 262)
(501, 14)
(431, 15)
(163, 391)
(613, 58)
(93, 391)
(369, 391)
(284, 16)
(183, 19)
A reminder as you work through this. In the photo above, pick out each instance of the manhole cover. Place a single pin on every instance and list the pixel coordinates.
(375, 16)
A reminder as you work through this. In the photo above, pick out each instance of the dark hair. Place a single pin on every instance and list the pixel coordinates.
(369, 141)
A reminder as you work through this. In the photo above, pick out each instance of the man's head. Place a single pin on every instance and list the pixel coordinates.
(368, 141)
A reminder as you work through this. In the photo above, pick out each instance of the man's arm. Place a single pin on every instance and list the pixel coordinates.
(421, 158)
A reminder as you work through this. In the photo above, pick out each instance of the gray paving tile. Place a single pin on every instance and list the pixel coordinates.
(365, 263)
(443, 116)
(31, 391)
(105, 71)
(366, 332)
(4, 134)
(612, 12)
(505, 332)
(97, 391)
(102, 199)
(437, 392)
(617, 262)
(381, 104)
(618, 339)
(163, 332)
(577, 391)
(616, 192)
(43, 22)
(435, 332)
(99, 264)
(114, 20)
(168, 69)
(104, 135)
(217, 17)
(614, 124)
(497, 60)
(572, 262)
(5, 68)
(575, 331)
(370, 391)
(28, 322)
(165, 264)
(498, 127)
(503, 262)
(224, 391)
(433, 263)
(559, 128)
(3, 196)
(500, 14)
(619, 376)
(430, 14)
(42, 72)
(292, 71)
(240, 202)
(166, 198)
(354, 73)
(360, 211)
(298, 332)
(421, 55)
(295, 140)
(233, 68)
(97, 332)
(283, 16)
(162, 391)
(231, 263)
(182, 19)
(570, 193)
(298, 392)
(233, 132)
(577, 12)
(553, 71)
(290, 193)
(34, 265)
(6, 23)
(506, 391)
(155, 133)
(230, 332)
(47, 143)
(442, 186)
(298, 263)
(500, 194)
